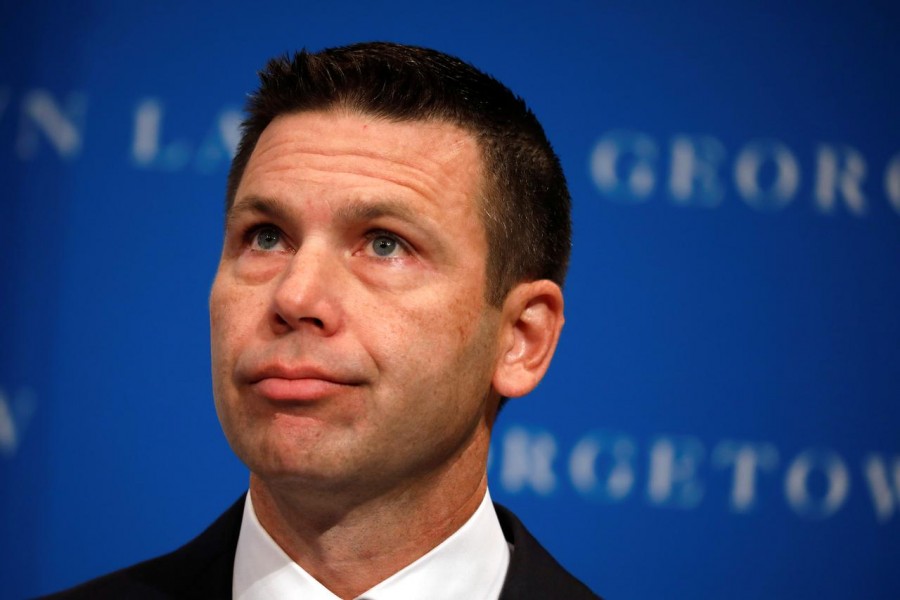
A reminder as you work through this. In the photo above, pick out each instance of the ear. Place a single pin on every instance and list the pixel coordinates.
(532, 317)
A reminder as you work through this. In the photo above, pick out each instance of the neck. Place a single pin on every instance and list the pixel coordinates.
(351, 543)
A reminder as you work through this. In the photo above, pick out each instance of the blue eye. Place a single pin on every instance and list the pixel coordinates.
(384, 245)
(267, 238)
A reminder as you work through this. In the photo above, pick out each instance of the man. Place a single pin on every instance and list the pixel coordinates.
(397, 232)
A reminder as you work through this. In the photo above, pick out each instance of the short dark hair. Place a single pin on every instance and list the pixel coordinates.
(526, 204)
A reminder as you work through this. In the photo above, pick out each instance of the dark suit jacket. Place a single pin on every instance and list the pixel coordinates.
(203, 568)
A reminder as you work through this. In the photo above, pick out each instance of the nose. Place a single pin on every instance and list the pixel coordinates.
(307, 294)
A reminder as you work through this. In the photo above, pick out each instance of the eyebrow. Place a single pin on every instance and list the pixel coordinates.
(355, 210)
(362, 210)
(270, 207)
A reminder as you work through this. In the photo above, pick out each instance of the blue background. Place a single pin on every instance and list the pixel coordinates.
(691, 324)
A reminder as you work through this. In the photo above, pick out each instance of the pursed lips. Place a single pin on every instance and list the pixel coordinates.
(299, 383)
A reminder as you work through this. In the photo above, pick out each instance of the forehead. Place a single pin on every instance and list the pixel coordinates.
(427, 158)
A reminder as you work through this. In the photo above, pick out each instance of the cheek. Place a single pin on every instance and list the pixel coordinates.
(460, 317)
(232, 311)
(219, 317)
(430, 339)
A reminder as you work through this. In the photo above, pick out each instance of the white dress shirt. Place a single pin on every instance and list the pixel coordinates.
(470, 564)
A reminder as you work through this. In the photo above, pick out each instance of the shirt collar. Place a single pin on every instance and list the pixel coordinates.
(471, 563)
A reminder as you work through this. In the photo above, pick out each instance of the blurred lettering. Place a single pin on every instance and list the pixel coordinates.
(528, 461)
(606, 467)
(694, 172)
(623, 165)
(220, 145)
(747, 459)
(782, 184)
(836, 484)
(147, 149)
(15, 414)
(674, 464)
(766, 173)
(892, 182)
(62, 125)
(884, 485)
(611, 454)
(840, 171)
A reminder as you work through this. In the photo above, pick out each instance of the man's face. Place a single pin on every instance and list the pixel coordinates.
(351, 341)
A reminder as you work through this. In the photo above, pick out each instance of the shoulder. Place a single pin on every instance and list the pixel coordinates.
(202, 568)
(533, 572)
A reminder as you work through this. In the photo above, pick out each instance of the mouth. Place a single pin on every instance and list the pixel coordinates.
(305, 389)
(299, 384)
